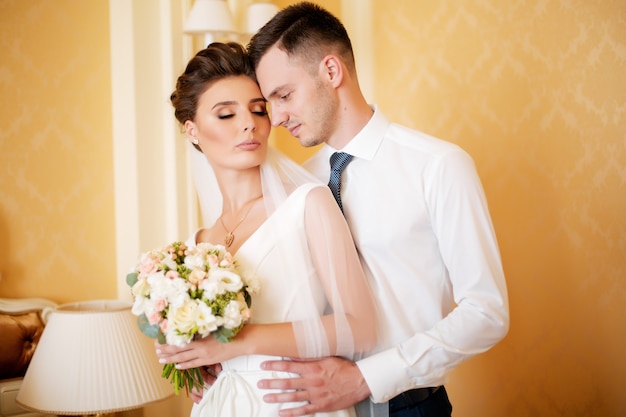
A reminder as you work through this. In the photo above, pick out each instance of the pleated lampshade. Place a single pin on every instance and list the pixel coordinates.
(92, 359)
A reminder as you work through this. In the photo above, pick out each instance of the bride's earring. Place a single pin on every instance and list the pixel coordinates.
(194, 141)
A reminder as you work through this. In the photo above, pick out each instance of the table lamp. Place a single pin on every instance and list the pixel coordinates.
(92, 359)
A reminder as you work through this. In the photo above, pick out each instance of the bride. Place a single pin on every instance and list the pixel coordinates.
(282, 226)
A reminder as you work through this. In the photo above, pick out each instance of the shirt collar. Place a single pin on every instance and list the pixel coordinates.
(366, 143)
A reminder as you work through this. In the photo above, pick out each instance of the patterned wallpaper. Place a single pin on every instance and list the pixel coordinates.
(535, 90)
(56, 210)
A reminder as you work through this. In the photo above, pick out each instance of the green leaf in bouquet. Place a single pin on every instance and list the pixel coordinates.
(167, 370)
(131, 279)
(150, 330)
(224, 335)
(194, 379)
(189, 379)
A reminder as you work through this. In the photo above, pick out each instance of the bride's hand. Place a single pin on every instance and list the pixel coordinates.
(202, 352)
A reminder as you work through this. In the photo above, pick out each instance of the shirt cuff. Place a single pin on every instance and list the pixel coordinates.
(385, 375)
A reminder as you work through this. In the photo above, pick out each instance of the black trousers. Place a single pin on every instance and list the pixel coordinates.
(437, 405)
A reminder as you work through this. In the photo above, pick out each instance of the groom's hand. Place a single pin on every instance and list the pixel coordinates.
(327, 384)
(209, 375)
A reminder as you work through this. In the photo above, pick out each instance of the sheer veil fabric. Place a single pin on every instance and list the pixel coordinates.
(328, 244)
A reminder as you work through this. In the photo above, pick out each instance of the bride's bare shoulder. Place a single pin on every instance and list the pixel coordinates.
(319, 195)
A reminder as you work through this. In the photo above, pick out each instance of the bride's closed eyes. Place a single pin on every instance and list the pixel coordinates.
(258, 109)
(260, 113)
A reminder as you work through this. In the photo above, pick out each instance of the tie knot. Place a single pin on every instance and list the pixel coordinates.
(339, 160)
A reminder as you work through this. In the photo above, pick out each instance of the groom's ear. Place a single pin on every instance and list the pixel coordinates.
(332, 70)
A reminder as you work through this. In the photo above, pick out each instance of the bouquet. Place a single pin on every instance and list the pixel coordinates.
(182, 294)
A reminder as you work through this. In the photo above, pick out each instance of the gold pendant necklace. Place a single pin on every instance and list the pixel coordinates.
(230, 237)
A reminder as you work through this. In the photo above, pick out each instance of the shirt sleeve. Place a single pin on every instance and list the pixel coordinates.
(467, 243)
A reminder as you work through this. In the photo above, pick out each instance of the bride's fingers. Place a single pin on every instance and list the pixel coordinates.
(168, 351)
(165, 357)
(192, 363)
(183, 357)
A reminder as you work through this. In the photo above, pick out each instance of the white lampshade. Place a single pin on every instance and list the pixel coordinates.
(210, 16)
(92, 359)
(258, 14)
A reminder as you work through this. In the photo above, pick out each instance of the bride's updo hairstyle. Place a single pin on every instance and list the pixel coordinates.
(215, 62)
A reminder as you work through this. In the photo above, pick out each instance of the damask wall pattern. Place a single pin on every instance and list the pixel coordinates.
(56, 210)
(535, 91)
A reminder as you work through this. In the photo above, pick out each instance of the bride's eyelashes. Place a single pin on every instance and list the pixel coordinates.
(260, 113)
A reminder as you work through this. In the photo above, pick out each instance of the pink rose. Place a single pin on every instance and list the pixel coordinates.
(147, 266)
(160, 304)
(154, 317)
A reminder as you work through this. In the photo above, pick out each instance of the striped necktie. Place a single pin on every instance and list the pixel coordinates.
(338, 162)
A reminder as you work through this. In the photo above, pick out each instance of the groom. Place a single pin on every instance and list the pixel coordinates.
(418, 215)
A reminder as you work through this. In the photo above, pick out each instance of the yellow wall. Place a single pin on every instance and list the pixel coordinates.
(536, 92)
(532, 89)
(56, 210)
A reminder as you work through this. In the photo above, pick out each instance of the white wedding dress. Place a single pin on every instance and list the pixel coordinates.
(235, 393)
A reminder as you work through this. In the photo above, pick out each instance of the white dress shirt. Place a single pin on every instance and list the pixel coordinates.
(420, 221)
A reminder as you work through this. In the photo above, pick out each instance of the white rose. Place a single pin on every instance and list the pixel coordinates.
(184, 318)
